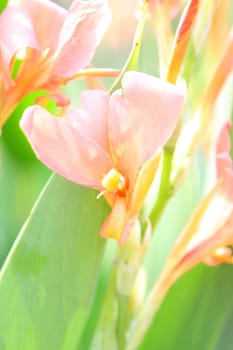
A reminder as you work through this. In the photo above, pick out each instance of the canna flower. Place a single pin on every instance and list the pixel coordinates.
(209, 234)
(112, 144)
(206, 238)
(212, 246)
(43, 45)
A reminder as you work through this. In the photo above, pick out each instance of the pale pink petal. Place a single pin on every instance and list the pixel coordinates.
(16, 33)
(123, 25)
(222, 237)
(214, 218)
(47, 18)
(225, 170)
(143, 119)
(92, 120)
(84, 27)
(64, 149)
(224, 163)
(224, 141)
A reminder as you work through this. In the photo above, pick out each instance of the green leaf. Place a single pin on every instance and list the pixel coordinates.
(13, 136)
(48, 281)
(3, 4)
(174, 217)
(91, 335)
(196, 314)
(133, 58)
(20, 185)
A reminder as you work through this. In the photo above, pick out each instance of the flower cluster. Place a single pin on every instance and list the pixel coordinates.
(134, 143)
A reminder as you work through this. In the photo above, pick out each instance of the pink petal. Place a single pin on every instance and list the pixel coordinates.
(224, 141)
(202, 252)
(143, 119)
(92, 121)
(82, 31)
(224, 163)
(47, 18)
(16, 33)
(64, 149)
(123, 25)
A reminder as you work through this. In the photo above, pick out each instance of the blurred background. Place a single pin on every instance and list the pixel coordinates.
(64, 3)
(22, 177)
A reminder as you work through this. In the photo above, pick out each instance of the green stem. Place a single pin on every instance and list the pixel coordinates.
(105, 332)
(145, 318)
(165, 188)
(123, 321)
(132, 61)
(117, 312)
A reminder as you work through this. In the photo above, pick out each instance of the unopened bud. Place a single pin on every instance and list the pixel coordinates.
(138, 292)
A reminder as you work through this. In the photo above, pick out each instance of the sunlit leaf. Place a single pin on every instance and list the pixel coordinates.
(196, 314)
(48, 281)
(3, 4)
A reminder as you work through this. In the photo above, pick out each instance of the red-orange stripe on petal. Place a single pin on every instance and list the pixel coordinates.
(220, 76)
(181, 40)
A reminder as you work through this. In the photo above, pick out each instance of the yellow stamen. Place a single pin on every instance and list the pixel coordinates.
(113, 181)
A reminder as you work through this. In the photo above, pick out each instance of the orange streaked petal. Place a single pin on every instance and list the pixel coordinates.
(220, 76)
(114, 224)
(145, 115)
(162, 25)
(181, 40)
(143, 182)
(192, 227)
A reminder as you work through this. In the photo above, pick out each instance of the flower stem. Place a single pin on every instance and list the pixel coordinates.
(144, 319)
(132, 61)
(165, 189)
(123, 321)
(95, 73)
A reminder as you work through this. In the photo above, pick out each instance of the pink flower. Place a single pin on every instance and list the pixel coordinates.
(208, 235)
(209, 232)
(224, 166)
(216, 225)
(52, 44)
(111, 144)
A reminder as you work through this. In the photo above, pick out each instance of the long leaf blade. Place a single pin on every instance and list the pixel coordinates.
(48, 281)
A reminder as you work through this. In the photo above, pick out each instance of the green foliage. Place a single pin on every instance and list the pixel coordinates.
(55, 290)
(3, 4)
(197, 313)
(12, 135)
(48, 282)
(20, 184)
